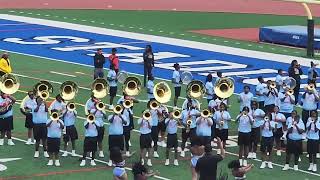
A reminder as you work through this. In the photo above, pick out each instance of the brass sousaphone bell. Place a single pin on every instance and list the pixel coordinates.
(162, 92)
(196, 89)
(100, 88)
(43, 89)
(9, 84)
(68, 90)
(224, 87)
(132, 86)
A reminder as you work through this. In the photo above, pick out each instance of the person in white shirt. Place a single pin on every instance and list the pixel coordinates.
(222, 119)
(309, 102)
(312, 128)
(280, 80)
(57, 105)
(112, 79)
(260, 88)
(209, 88)
(271, 95)
(279, 119)
(150, 86)
(26, 107)
(245, 98)
(194, 102)
(266, 147)
(176, 80)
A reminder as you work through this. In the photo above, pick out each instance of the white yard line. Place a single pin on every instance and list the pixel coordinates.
(63, 74)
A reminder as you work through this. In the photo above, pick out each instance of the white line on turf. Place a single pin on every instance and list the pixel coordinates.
(63, 74)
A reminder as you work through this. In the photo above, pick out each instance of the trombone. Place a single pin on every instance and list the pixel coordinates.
(154, 105)
(54, 116)
(162, 92)
(91, 118)
(205, 113)
(68, 90)
(196, 89)
(44, 94)
(224, 87)
(100, 88)
(71, 106)
(127, 103)
(272, 85)
(9, 84)
(146, 115)
(131, 86)
(117, 109)
(176, 114)
(100, 106)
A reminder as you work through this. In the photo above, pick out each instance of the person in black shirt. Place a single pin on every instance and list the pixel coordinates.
(148, 61)
(99, 61)
(207, 165)
(295, 72)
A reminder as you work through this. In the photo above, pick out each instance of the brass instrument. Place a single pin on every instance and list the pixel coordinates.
(42, 86)
(272, 85)
(132, 86)
(91, 118)
(146, 115)
(100, 106)
(289, 83)
(117, 109)
(100, 88)
(224, 87)
(221, 123)
(68, 90)
(310, 87)
(205, 113)
(54, 116)
(154, 105)
(266, 118)
(122, 76)
(44, 94)
(196, 89)
(290, 92)
(186, 77)
(127, 103)
(245, 113)
(162, 92)
(176, 114)
(71, 106)
(9, 84)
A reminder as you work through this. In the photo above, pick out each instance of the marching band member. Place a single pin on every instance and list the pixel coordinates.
(176, 80)
(313, 73)
(90, 141)
(112, 79)
(5, 65)
(266, 147)
(116, 121)
(221, 118)
(145, 139)
(260, 88)
(295, 71)
(57, 105)
(127, 115)
(155, 114)
(245, 98)
(271, 95)
(71, 134)
(279, 119)
(257, 115)
(119, 171)
(90, 104)
(280, 80)
(6, 118)
(39, 119)
(312, 128)
(161, 124)
(209, 88)
(150, 86)
(245, 121)
(309, 101)
(286, 103)
(197, 151)
(294, 142)
(194, 102)
(203, 130)
(188, 117)
(99, 115)
(172, 139)
(25, 109)
(54, 128)
(214, 105)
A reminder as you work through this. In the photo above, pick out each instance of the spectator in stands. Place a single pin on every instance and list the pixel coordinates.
(99, 61)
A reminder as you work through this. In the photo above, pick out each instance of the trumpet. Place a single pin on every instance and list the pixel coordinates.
(68, 90)
(146, 115)
(100, 88)
(205, 113)
(9, 84)
(290, 92)
(272, 85)
(310, 87)
(127, 103)
(245, 113)
(154, 105)
(266, 118)
(54, 116)
(71, 106)
(176, 114)
(162, 92)
(224, 87)
(44, 94)
(196, 89)
(100, 106)
(132, 86)
(117, 109)
(91, 118)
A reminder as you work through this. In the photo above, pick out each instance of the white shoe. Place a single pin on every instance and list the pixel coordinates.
(295, 168)
(318, 155)
(29, 142)
(142, 161)
(50, 163)
(249, 155)
(128, 154)
(45, 154)
(164, 144)
(101, 154)
(182, 154)
(36, 154)
(111, 107)
(129, 142)
(241, 162)
(73, 153)
(167, 162)
(10, 143)
(1, 142)
(310, 167)
(179, 149)
(263, 165)
(299, 159)
(314, 169)
(175, 107)
(92, 163)
(307, 155)
(155, 154)
(109, 163)
(149, 163)
(83, 163)
(270, 165)
(286, 167)
(278, 152)
(65, 154)
(147, 154)
(90, 155)
(218, 151)
(175, 162)
(57, 163)
(254, 155)
(245, 163)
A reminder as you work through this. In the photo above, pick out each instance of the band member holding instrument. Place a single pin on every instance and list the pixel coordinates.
(155, 115)
(209, 88)
(39, 119)
(99, 61)
(90, 104)
(57, 105)
(290, 119)
(260, 88)
(203, 130)
(279, 119)
(238, 171)
(6, 117)
(150, 86)
(26, 107)
(271, 95)
(309, 102)
(280, 80)
(172, 139)
(114, 60)
(295, 71)
(161, 124)
(176, 80)
(313, 73)
(148, 61)
(245, 121)
(5, 65)
(71, 134)
(197, 151)
(245, 98)
(119, 171)
(221, 118)
(257, 116)
(194, 103)
(188, 117)
(312, 128)
(54, 128)
(116, 121)
(112, 79)
(90, 141)
(145, 139)
(294, 142)
(100, 116)
(287, 102)
(267, 136)
(127, 115)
